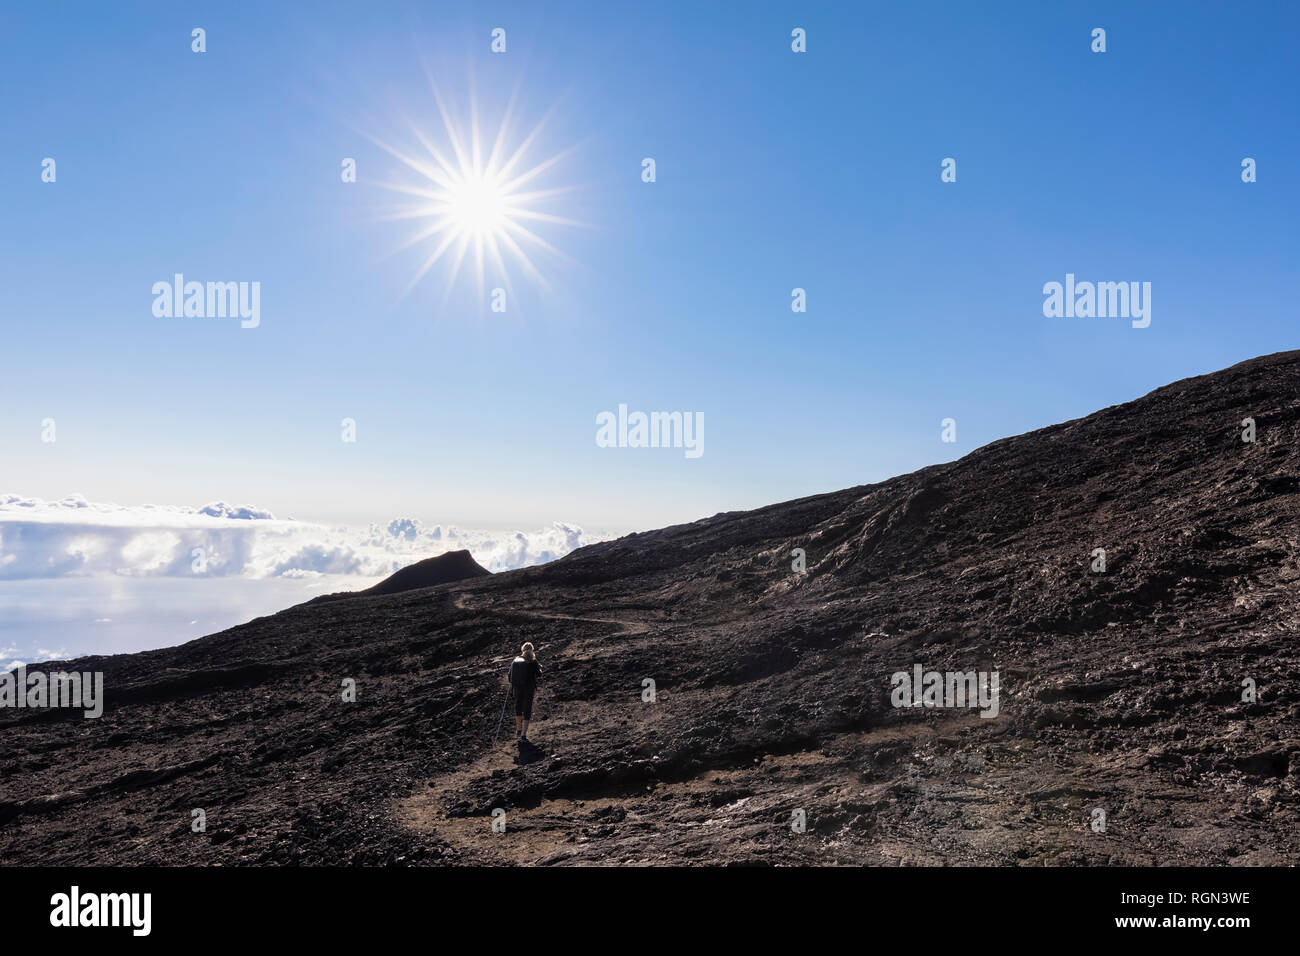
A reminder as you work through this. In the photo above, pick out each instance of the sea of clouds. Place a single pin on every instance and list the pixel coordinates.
(75, 537)
(80, 577)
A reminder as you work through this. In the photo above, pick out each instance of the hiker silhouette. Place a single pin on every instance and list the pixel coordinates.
(525, 672)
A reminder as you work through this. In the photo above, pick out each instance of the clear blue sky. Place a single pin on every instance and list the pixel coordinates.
(775, 170)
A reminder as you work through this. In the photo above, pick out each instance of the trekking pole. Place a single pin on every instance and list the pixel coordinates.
(501, 719)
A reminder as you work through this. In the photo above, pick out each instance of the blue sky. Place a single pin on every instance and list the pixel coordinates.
(775, 170)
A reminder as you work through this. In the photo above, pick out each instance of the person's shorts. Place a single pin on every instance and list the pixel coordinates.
(524, 703)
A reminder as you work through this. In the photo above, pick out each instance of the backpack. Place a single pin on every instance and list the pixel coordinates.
(520, 672)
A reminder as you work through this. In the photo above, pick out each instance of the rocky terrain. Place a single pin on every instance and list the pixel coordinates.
(444, 569)
(1120, 690)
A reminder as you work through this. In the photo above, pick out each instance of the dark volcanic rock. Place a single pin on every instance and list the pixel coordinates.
(443, 569)
(1121, 691)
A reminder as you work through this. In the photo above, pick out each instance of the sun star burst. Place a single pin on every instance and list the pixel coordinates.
(473, 205)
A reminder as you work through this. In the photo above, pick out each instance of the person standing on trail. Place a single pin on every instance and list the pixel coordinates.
(524, 675)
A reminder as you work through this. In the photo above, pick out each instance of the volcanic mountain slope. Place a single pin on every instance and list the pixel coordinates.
(1121, 691)
(443, 569)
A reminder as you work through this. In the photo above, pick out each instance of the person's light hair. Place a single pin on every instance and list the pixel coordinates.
(526, 652)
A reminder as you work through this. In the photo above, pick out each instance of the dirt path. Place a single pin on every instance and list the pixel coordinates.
(629, 627)
(536, 833)
(739, 812)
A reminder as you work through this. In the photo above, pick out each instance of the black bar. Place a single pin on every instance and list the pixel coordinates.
(940, 905)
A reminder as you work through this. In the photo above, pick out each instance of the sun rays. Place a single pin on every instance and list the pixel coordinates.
(477, 206)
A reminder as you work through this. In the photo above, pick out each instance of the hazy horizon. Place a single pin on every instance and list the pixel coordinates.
(154, 605)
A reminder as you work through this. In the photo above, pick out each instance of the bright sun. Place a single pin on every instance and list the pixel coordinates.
(472, 203)
(478, 206)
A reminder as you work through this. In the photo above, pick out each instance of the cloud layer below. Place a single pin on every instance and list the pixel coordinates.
(74, 537)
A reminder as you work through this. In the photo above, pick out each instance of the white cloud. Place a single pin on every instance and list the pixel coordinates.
(73, 537)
